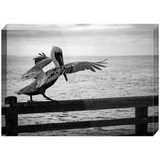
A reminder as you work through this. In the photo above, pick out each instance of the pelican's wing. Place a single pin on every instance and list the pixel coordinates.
(36, 71)
(39, 58)
(49, 77)
(80, 66)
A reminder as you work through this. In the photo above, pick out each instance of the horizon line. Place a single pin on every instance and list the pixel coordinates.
(85, 55)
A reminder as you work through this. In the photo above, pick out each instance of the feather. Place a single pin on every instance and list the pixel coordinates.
(95, 66)
(90, 68)
(39, 58)
(104, 61)
(36, 70)
(81, 66)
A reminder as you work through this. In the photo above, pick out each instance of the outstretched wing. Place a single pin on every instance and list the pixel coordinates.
(40, 62)
(39, 58)
(81, 66)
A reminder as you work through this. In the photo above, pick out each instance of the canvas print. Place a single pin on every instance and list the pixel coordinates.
(80, 79)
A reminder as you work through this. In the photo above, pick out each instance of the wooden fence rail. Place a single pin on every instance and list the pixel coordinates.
(140, 104)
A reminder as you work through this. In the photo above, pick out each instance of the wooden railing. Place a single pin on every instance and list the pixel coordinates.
(140, 121)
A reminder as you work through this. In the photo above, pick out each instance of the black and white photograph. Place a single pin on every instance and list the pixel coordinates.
(80, 79)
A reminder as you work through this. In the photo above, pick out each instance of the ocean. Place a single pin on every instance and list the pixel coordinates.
(124, 76)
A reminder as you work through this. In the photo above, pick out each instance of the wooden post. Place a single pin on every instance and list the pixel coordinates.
(11, 117)
(141, 116)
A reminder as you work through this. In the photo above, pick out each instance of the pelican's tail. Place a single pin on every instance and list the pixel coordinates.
(28, 89)
(18, 92)
(21, 91)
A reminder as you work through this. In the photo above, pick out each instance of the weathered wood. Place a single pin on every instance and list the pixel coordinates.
(78, 125)
(140, 103)
(84, 104)
(3, 131)
(4, 110)
(10, 100)
(75, 125)
(14, 124)
(141, 114)
(8, 119)
(11, 117)
(81, 124)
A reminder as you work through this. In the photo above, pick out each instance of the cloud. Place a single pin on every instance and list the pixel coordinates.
(52, 31)
(78, 36)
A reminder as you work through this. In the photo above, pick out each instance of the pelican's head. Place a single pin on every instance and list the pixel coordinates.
(57, 56)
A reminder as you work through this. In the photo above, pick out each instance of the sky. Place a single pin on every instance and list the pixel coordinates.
(80, 39)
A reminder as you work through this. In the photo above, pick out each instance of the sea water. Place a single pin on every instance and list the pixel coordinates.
(124, 76)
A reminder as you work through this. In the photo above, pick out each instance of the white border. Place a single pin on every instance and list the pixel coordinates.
(83, 11)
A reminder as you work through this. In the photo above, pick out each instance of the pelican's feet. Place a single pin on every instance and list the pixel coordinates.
(52, 100)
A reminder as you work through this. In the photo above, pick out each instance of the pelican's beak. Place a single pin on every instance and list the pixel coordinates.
(65, 76)
(57, 57)
(61, 63)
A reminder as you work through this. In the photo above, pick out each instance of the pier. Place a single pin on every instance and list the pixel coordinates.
(140, 103)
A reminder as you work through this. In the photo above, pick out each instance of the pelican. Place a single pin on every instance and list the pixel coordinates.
(42, 60)
(44, 80)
